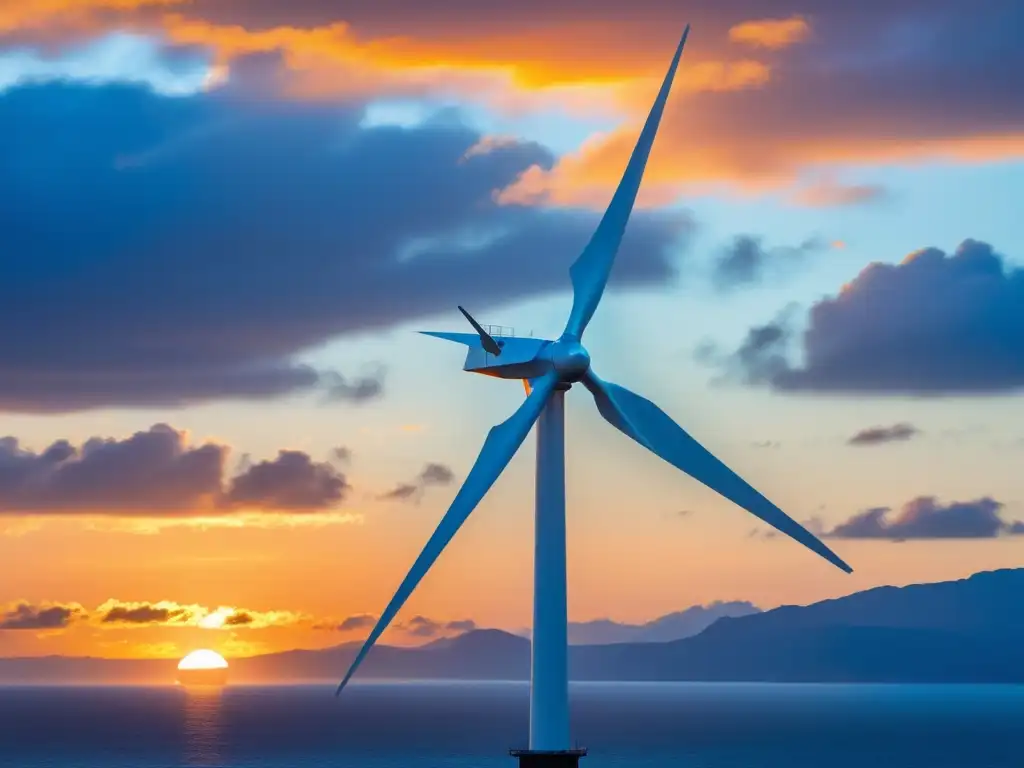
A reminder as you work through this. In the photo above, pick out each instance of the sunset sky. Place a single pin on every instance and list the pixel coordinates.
(223, 221)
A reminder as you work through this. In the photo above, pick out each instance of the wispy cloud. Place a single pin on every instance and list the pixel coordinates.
(433, 474)
(878, 435)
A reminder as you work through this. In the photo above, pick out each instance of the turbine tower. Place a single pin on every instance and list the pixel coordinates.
(548, 369)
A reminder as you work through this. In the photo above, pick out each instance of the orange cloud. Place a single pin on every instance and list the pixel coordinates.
(734, 121)
(28, 14)
(553, 66)
(706, 159)
(771, 33)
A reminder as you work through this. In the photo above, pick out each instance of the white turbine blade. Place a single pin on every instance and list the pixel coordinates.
(500, 446)
(647, 424)
(591, 269)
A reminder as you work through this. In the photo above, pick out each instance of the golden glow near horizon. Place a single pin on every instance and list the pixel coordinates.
(203, 659)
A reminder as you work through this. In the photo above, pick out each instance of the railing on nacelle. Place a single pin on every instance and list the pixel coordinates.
(498, 333)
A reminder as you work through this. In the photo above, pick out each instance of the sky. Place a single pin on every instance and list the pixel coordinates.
(222, 224)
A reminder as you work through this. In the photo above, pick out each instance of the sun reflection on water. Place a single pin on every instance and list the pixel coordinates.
(204, 740)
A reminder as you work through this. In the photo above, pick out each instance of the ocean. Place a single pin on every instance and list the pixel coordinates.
(436, 725)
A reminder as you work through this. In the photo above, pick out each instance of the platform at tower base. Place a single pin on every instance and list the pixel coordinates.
(530, 758)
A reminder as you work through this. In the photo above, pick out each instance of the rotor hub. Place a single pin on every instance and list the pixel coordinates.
(569, 359)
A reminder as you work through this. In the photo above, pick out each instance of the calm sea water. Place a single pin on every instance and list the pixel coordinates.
(433, 725)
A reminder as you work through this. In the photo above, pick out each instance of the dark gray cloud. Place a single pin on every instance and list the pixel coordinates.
(926, 518)
(239, 619)
(361, 621)
(292, 481)
(225, 235)
(143, 613)
(402, 492)
(341, 454)
(151, 470)
(877, 435)
(747, 261)
(355, 390)
(26, 616)
(156, 471)
(433, 474)
(760, 357)
(933, 324)
(422, 626)
(436, 474)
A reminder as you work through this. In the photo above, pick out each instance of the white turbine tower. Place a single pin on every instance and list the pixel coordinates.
(548, 369)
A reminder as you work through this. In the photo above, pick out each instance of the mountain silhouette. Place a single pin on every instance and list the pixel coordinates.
(970, 630)
(673, 626)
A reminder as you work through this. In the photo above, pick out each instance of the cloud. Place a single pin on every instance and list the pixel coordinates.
(872, 84)
(167, 613)
(878, 435)
(145, 613)
(828, 193)
(771, 33)
(335, 59)
(927, 518)
(201, 273)
(746, 261)
(421, 626)
(358, 390)
(432, 475)
(934, 324)
(872, 87)
(360, 621)
(759, 357)
(157, 472)
(292, 481)
(26, 14)
(401, 492)
(39, 617)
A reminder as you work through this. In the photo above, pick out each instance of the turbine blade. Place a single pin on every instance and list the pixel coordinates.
(591, 269)
(640, 419)
(468, 339)
(500, 446)
(486, 340)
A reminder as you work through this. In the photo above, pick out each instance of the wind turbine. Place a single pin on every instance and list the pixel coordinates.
(549, 369)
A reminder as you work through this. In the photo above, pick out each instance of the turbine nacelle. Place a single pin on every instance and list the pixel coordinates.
(522, 357)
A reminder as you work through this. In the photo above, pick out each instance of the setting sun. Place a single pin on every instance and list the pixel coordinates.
(203, 659)
(203, 668)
